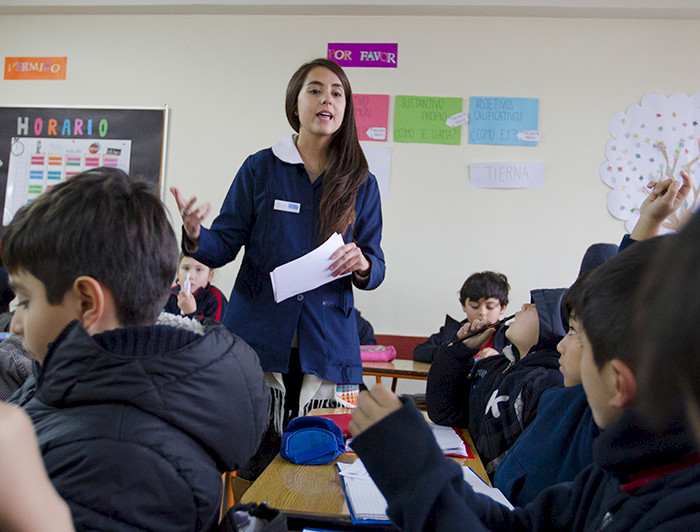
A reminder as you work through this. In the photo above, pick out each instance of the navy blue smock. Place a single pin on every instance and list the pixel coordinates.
(258, 213)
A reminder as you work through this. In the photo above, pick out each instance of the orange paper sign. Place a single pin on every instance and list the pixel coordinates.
(35, 67)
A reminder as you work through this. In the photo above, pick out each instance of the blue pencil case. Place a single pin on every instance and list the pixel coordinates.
(311, 440)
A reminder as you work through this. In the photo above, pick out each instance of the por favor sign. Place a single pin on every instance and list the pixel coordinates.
(373, 55)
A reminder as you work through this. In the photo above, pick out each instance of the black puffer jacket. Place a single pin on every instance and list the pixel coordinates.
(136, 425)
(497, 397)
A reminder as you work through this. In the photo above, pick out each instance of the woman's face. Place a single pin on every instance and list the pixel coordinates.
(321, 103)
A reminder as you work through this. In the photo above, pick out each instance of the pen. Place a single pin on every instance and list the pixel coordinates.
(474, 333)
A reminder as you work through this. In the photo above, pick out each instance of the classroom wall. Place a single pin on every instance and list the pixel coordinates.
(224, 78)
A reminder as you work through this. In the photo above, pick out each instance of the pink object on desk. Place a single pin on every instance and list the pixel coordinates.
(342, 420)
(377, 353)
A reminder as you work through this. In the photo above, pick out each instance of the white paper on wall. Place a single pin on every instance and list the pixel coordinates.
(652, 140)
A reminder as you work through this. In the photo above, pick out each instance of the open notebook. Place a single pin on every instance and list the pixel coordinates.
(368, 505)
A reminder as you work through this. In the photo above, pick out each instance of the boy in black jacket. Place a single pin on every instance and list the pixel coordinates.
(497, 397)
(136, 421)
(484, 297)
(642, 478)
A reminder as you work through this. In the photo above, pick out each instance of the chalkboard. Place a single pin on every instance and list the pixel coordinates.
(41, 146)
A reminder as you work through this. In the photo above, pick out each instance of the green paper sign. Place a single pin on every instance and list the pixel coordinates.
(422, 119)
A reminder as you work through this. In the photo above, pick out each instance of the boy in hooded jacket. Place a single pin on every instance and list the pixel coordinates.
(136, 420)
(496, 397)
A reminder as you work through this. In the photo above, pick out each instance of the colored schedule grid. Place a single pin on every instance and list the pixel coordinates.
(110, 161)
(55, 170)
(37, 166)
(45, 162)
(74, 165)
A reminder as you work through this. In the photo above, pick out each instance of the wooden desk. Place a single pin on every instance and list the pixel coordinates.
(317, 491)
(397, 369)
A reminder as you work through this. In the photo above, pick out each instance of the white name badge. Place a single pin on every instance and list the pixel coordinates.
(287, 206)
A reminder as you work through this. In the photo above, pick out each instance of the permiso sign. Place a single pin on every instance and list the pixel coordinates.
(35, 67)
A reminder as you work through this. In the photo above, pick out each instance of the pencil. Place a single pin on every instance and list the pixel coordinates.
(474, 333)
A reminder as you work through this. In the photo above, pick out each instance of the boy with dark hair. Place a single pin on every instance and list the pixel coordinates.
(497, 397)
(673, 284)
(557, 445)
(136, 421)
(641, 478)
(484, 297)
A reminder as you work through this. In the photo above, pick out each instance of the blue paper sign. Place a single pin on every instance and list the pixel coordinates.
(503, 121)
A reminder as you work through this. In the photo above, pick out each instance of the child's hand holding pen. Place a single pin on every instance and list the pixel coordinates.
(474, 342)
(479, 332)
(185, 300)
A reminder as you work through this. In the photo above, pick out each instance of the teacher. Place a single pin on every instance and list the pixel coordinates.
(284, 202)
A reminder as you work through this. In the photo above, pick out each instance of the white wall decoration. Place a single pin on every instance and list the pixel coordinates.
(652, 140)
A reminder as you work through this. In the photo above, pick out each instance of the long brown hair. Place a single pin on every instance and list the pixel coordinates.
(346, 166)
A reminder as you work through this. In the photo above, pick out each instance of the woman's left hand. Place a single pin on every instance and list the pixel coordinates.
(349, 258)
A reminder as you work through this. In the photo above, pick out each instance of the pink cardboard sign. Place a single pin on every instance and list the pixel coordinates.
(371, 116)
(374, 55)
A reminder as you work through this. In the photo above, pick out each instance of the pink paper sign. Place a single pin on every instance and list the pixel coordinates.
(375, 55)
(371, 116)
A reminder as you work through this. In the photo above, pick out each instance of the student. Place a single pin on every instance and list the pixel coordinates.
(6, 293)
(595, 255)
(6, 297)
(484, 297)
(496, 397)
(641, 478)
(284, 202)
(365, 330)
(203, 300)
(135, 421)
(673, 284)
(671, 279)
(556, 446)
(28, 501)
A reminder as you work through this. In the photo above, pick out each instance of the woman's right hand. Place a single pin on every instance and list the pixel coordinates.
(192, 217)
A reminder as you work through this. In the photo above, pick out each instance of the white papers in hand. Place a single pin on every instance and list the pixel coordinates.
(307, 272)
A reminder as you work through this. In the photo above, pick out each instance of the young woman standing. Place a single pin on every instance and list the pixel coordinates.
(284, 202)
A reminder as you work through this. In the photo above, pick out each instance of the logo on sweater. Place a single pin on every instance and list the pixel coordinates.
(493, 403)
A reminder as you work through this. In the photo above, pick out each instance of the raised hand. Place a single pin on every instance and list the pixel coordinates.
(192, 216)
(372, 407)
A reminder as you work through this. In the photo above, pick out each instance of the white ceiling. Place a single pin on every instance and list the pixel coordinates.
(644, 9)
